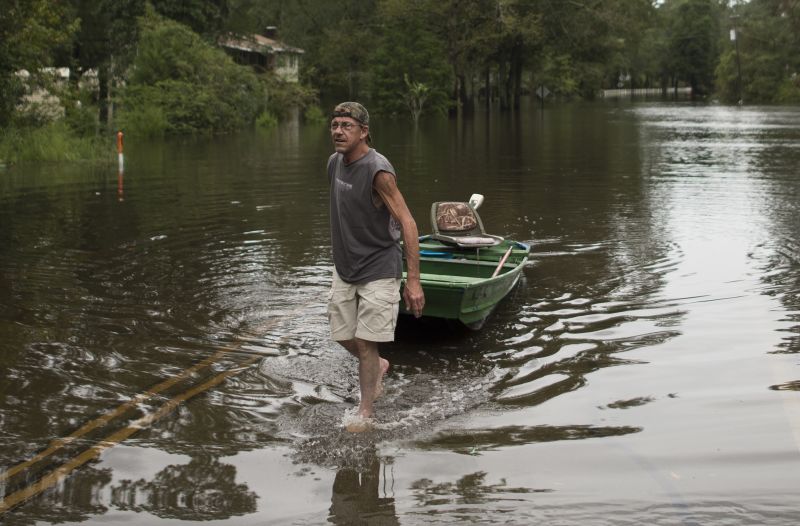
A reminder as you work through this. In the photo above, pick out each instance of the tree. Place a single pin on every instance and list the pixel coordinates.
(338, 38)
(108, 33)
(415, 97)
(693, 43)
(407, 46)
(633, 42)
(520, 32)
(181, 84)
(344, 47)
(31, 34)
(104, 43)
(469, 32)
(206, 17)
(768, 56)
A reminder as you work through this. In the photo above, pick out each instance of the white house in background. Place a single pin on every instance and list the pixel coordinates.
(265, 53)
(45, 102)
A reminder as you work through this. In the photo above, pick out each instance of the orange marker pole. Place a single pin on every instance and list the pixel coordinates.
(121, 157)
(120, 143)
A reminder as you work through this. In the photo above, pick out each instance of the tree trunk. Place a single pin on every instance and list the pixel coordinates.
(467, 94)
(462, 93)
(487, 83)
(103, 78)
(456, 95)
(502, 84)
(515, 76)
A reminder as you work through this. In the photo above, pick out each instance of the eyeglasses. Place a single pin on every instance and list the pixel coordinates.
(344, 125)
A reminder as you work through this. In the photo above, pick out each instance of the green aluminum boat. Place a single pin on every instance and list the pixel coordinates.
(463, 271)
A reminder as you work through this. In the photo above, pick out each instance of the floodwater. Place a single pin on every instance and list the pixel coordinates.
(170, 324)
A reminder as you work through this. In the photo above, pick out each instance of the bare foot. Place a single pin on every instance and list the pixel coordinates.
(358, 423)
(379, 385)
(360, 426)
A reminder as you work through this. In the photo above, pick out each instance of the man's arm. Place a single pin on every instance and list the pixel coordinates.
(386, 187)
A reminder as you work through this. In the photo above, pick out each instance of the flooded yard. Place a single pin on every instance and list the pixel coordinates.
(165, 355)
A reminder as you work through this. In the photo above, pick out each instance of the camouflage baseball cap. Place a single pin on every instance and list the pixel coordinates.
(353, 110)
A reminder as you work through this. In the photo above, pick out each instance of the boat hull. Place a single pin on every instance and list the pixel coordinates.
(459, 283)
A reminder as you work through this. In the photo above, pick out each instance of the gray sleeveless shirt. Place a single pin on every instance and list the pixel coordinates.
(365, 237)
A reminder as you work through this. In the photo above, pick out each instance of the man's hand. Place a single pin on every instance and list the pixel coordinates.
(414, 297)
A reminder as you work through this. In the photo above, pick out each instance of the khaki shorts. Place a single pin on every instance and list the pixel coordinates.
(367, 311)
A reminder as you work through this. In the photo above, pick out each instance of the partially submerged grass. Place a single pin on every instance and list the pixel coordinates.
(52, 142)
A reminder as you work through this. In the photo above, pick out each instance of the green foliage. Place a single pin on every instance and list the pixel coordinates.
(694, 31)
(560, 76)
(81, 119)
(282, 96)
(407, 48)
(205, 17)
(79, 110)
(768, 42)
(55, 141)
(416, 95)
(344, 60)
(106, 29)
(313, 114)
(337, 38)
(266, 120)
(180, 79)
(146, 120)
(727, 78)
(398, 56)
(579, 39)
(636, 43)
(789, 91)
(762, 76)
(32, 32)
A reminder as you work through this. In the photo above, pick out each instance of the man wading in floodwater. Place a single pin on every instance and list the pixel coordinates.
(368, 215)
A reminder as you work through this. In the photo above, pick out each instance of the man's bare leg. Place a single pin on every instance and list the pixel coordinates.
(379, 385)
(369, 374)
(366, 373)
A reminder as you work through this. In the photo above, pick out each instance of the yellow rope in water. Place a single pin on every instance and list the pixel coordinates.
(130, 404)
(110, 415)
(58, 474)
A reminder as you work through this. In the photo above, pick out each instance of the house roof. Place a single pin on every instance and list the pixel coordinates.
(258, 44)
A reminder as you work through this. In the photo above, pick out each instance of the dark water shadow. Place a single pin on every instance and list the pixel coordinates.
(475, 441)
(412, 330)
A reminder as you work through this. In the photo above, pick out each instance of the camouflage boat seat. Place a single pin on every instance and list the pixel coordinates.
(459, 224)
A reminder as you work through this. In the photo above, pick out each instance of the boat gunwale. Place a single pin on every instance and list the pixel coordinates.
(471, 315)
(447, 281)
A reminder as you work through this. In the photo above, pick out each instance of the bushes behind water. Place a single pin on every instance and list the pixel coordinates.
(62, 126)
(315, 115)
(180, 83)
(789, 90)
(266, 120)
(55, 141)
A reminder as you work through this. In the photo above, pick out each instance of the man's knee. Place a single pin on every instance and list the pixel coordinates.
(350, 345)
(358, 347)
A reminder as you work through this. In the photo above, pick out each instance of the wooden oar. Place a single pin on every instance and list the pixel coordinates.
(503, 261)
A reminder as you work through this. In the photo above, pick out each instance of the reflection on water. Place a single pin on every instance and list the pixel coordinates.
(363, 496)
(644, 370)
(76, 501)
(203, 489)
(469, 490)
